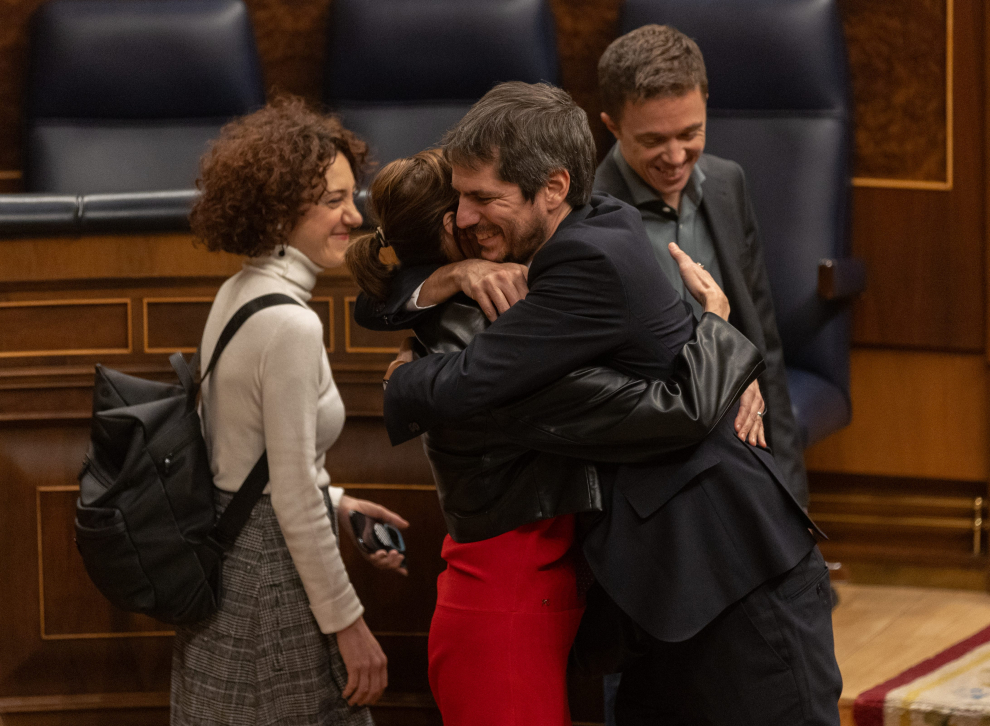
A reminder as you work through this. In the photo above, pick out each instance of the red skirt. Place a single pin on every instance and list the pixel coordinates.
(507, 612)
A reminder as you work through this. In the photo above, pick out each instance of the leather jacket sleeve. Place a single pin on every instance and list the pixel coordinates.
(531, 460)
(391, 314)
(599, 414)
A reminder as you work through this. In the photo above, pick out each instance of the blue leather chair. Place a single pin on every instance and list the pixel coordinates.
(401, 72)
(779, 105)
(124, 95)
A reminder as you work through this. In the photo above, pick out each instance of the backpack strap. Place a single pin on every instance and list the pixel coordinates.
(187, 371)
(239, 318)
(238, 511)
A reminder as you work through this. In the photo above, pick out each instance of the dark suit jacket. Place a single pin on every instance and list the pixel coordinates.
(727, 208)
(683, 538)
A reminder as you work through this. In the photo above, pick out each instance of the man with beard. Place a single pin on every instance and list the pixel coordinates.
(706, 569)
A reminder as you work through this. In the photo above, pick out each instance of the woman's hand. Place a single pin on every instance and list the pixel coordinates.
(700, 283)
(367, 666)
(749, 420)
(391, 560)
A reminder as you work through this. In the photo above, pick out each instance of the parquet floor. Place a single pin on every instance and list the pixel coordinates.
(881, 631)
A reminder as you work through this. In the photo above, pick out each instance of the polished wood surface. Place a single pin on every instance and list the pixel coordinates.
(914, 415)
(902, 530)
(40, 260)
(893, 44)
(924, 250)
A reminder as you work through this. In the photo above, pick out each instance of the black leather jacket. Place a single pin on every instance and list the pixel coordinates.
(532, 459)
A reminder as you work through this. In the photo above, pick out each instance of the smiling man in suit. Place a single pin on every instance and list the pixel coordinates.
(654, 94)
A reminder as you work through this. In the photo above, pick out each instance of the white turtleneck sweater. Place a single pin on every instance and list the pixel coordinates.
(272, 389)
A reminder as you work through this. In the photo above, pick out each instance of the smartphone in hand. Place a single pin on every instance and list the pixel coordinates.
(373, 534)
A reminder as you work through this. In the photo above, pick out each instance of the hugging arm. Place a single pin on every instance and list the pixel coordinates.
(574, 313)
(392, 314)
(600, 414)
(494, 286)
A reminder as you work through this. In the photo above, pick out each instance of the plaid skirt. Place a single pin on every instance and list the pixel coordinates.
(260, 660)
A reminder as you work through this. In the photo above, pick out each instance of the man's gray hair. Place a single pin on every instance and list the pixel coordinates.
(529, 130)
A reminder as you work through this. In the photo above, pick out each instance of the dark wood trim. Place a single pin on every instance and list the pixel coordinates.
(82, 702)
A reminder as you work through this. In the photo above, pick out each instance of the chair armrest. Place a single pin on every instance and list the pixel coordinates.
(840, 279)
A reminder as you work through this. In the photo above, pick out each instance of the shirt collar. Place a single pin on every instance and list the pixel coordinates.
(643, 193)
(293, 266)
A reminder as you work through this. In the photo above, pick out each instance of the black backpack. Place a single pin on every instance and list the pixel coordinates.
(145, 521)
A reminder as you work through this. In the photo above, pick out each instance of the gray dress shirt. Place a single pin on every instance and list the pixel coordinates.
(664, 224)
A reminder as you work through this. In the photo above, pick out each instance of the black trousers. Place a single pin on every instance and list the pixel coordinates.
(767, 660)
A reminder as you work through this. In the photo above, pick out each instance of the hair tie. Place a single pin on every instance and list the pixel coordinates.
(380, 236)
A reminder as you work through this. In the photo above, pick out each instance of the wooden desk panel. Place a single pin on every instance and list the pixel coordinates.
(66, 655)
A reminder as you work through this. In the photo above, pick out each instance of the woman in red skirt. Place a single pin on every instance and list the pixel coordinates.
(508, 604)
(507, 612)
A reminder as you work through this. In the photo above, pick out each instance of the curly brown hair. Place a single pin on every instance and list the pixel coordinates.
(263, 170)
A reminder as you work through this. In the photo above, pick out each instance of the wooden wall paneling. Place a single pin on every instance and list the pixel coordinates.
(48, 457)
(161, 257)
(324, 308)
(70, 606)
(903, 531)
(10, 181)
(397, 605)
(902, 519)
(924, 250)
(13, 66)
(921, 415)
(174, 323)
(584, 30)
(363, 454)
(986, 225)
(33, 328)
(23, 399)
(132, 709)
(901, 65)
(291, 41)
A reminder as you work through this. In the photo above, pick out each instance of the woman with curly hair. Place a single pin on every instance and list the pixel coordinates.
(288, 644)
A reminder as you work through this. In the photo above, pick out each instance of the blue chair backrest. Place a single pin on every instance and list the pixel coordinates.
(779, 105)
(401, 72)
(124, 95)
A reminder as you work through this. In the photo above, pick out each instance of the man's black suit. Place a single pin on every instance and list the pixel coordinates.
(727, 209)
(683, 540)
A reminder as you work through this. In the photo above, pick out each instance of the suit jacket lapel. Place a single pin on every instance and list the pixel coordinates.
(719, 208)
